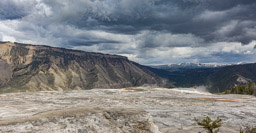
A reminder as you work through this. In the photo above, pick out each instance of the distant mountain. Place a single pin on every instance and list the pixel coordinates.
(215, 79)
(31, 68)
(26, 67)
(182, 66)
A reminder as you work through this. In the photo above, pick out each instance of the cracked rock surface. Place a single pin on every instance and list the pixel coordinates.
(83, 120)
(122, 110)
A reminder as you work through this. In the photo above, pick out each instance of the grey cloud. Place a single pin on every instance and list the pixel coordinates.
(89, 42)
(13, 9)
(241, 31)
(197, 17)
(142, 29)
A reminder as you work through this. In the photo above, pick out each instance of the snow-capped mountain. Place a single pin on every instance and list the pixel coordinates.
(189, 65)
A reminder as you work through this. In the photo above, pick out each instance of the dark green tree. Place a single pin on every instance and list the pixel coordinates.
(210, 125)
(249, 89)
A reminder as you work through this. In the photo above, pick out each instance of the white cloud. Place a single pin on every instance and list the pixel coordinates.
(162, 39)
(212, 15)
(234, 47)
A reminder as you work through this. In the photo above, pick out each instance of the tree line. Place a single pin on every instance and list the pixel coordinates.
(249, 89)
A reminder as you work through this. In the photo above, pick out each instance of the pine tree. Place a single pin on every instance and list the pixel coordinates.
(210, 125)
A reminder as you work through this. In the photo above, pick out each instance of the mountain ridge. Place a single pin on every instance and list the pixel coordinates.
(25, 67)
(213, 79)
(35, 67)
(189, 65)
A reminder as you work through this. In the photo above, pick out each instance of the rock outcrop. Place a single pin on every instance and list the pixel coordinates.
(32, 68)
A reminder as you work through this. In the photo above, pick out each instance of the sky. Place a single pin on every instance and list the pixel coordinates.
(146, 31)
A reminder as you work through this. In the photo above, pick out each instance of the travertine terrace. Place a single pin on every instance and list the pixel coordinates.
(172, 110)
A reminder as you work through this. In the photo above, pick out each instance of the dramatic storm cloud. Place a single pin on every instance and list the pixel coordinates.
(146, 31)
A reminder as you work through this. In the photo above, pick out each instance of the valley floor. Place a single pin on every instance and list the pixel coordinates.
(172, 110)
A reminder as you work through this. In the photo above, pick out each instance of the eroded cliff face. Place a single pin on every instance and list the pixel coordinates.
(32, 68)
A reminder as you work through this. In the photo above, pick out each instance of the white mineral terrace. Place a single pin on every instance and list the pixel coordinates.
(173, 110)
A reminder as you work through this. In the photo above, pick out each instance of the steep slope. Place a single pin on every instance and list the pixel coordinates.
(28, 67)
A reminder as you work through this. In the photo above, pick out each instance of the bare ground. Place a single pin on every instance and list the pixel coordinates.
(173, 110)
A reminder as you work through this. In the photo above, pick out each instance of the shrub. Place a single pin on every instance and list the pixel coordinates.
(210, 125)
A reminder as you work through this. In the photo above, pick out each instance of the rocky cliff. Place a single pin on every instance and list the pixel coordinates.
(32, 68)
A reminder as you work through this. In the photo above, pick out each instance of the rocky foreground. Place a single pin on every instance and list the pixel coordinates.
(122, 111)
